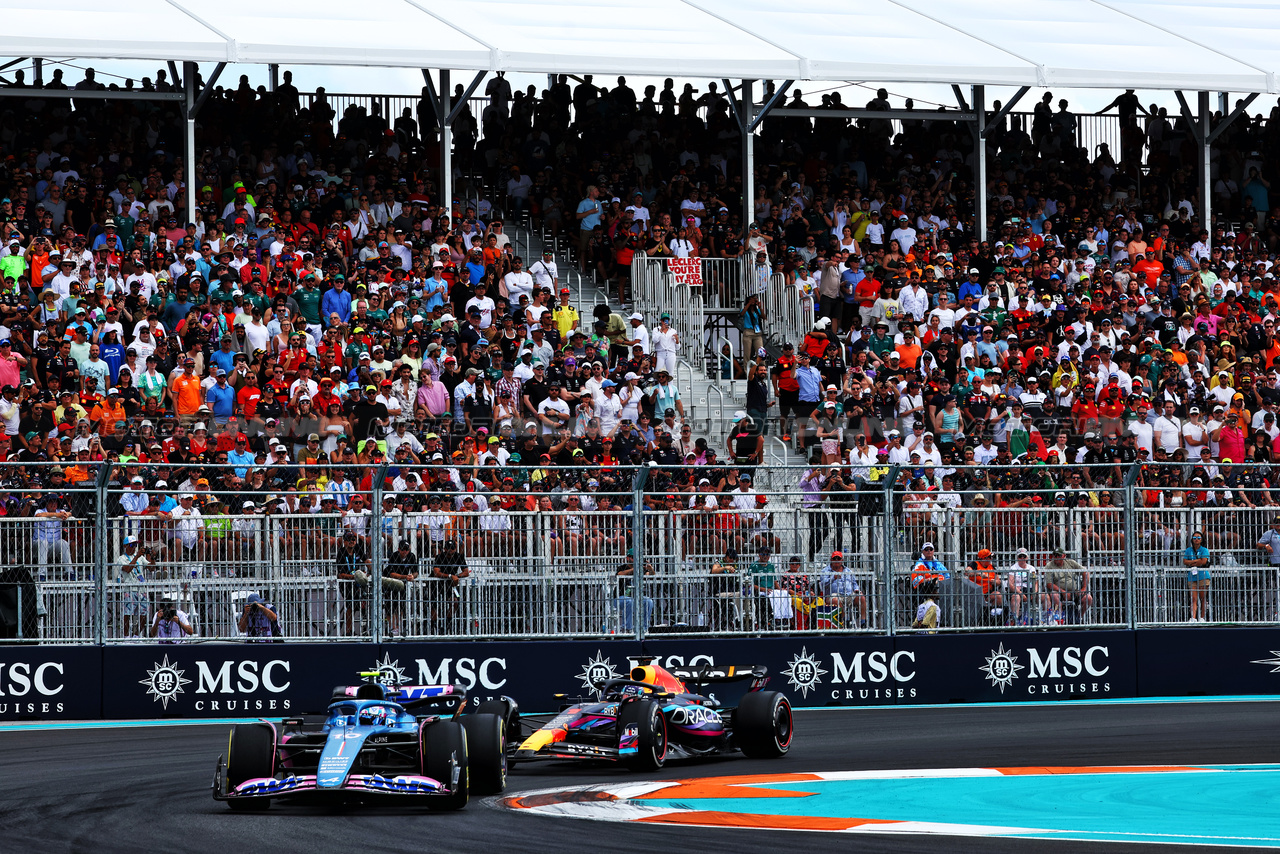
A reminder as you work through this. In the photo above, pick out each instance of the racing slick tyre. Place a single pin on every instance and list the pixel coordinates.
(651, 733)
(444, 749)
(486, 752)
(763, 725)
(509, 712)
(251, 753)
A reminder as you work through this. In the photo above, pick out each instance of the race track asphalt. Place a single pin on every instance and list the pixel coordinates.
(147, 788)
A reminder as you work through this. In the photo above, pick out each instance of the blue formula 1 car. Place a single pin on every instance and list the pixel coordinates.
(654, 715)
(377, 744)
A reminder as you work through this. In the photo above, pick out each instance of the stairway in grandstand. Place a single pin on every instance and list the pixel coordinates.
(709, 403)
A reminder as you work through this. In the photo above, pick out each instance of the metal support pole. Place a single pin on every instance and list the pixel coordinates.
(980, 160)
(1206, 176)
(890, 547)
(746, 111)
(189, 139)
(37, 74)
(1130, 571)
(638, 557)
(1223, 98)
(375, 555)
(101, 556)
(273, 77)
(446, 146)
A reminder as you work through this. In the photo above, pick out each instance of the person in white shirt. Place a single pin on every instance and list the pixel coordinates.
(1194, 434)
(553, 412)
(639, 213)
(518, 282)
(915, 300)
(986, 452)
(904, 234)
(545, 273)
(639, 334)
(1168, 429)
(608, 407)
(666, 345)
(483, 304)
(1145, 433)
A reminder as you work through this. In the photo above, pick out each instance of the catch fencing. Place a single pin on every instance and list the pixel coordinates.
(625, 553)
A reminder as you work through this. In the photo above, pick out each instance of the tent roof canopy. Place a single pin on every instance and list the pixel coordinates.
(1151, 44)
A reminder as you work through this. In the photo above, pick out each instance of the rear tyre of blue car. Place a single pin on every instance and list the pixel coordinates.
(486, 752)
(444, 751)
(251, 754)
(651, 734)
(763, 725)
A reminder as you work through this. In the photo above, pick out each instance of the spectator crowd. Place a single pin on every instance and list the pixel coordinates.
(327, 313)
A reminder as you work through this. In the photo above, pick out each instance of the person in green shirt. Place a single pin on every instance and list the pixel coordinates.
(15, 263)
(764, 575)
(308, 299)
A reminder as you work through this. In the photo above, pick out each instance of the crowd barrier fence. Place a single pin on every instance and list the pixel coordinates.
(793, 550)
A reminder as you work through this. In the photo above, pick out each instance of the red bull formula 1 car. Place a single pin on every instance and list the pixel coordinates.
(653, 716)
(376, 744)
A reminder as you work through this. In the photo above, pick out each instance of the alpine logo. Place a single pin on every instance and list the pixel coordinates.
(597, 671)
(165, 681)
(804, 672)
(1002, 668)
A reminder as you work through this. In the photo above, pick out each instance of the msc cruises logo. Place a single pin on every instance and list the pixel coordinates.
(1002, 668)
(597, 671)
(804, 672)
(164, 681)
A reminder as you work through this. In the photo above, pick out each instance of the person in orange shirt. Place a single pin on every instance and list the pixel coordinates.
(185, 392)
(909, 350)
(108, 412)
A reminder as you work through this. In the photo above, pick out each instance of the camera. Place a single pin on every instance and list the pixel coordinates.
(170, 613)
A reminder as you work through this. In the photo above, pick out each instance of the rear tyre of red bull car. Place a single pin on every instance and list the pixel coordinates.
(251, 755)
(444, 758)
(641, 726)
(763, 725)
(486, 752)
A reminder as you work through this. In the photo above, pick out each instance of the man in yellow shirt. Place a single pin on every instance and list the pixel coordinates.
(566, 316)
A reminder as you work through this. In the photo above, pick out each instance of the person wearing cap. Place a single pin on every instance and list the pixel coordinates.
(841, 593)
(545, 273)
(1068, 584)
(665, 343)
(259, 621)
(982, 572)
(1023, 583)
(50, 537)
(352, 566)
(401, 570)
(565, 316)
(131, 572)
(929, 572)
